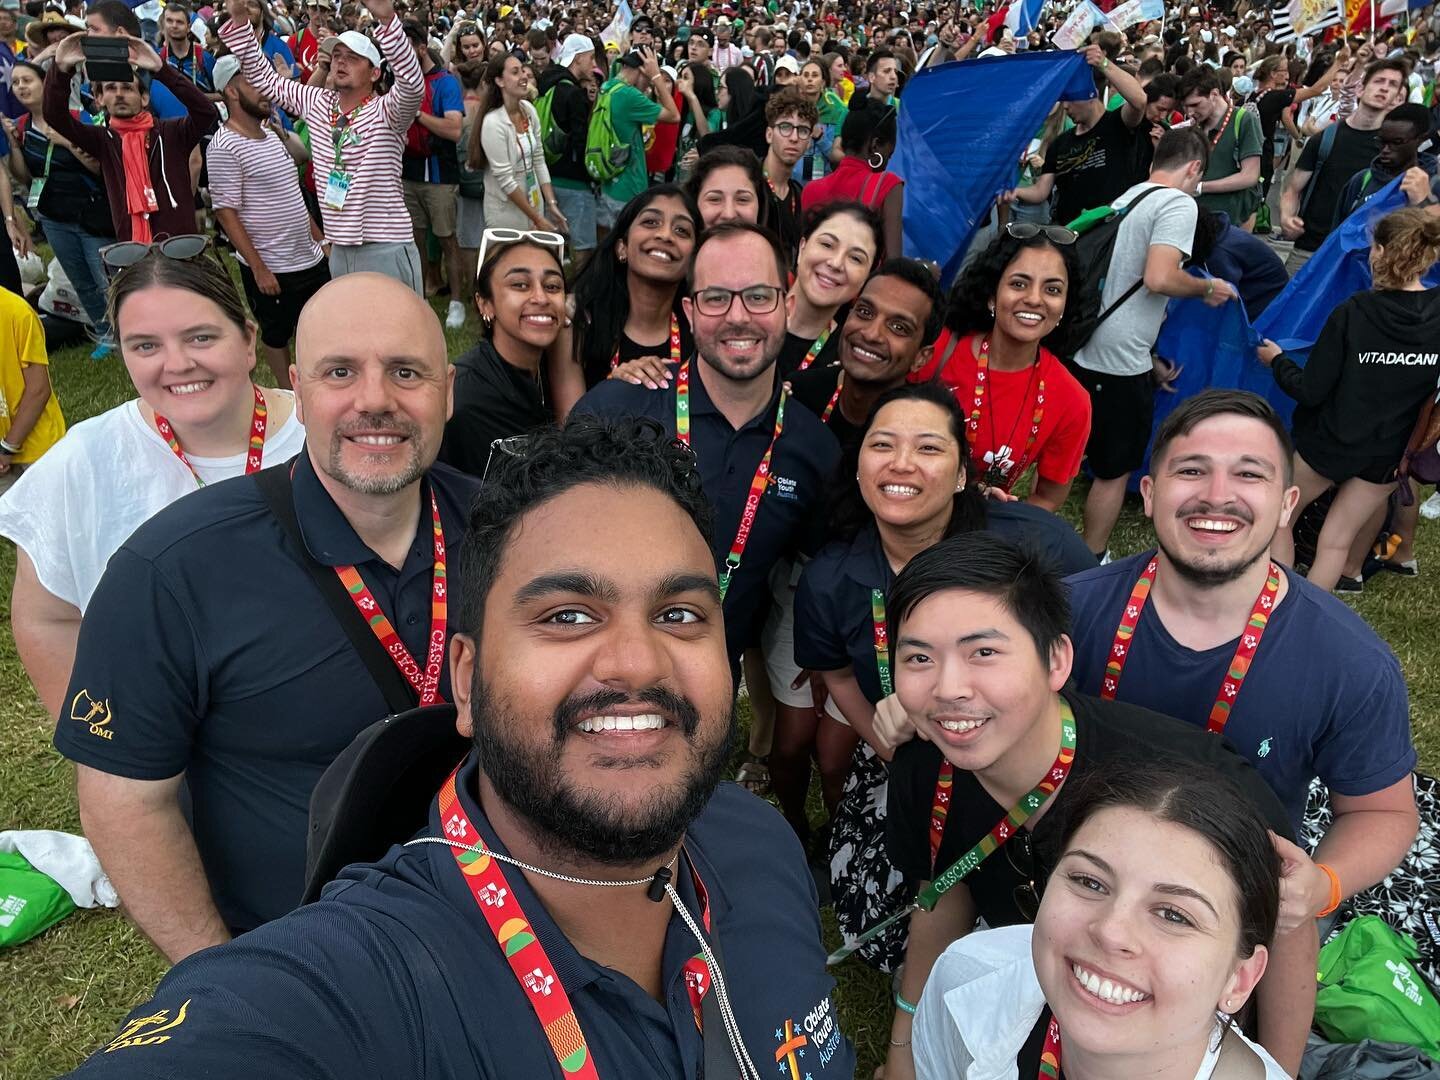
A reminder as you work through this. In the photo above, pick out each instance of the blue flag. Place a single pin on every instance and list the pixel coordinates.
(962, 131)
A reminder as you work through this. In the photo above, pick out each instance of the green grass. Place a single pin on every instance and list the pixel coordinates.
(64, 993)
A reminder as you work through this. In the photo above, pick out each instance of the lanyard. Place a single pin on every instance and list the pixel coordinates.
(1004, 829)
(674, 359)
(834, 399)
(427, 682)
(1050, 1056)
(994, 476)
(1239, 666)
(882, 641)
(342, 128)
(528, 960)
(1220, 131)
(253, 455)
(816, 346)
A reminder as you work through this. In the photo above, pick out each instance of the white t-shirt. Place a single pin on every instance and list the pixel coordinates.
(1121, 344)
(72, 509)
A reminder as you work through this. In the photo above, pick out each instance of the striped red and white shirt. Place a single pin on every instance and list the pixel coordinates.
(257, 179)
(374, 210)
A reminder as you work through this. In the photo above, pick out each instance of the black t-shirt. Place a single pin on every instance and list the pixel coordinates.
(493, 400)
(792, 353)
(814, 388)
(1106, 732)
(629, 349)
(785, 217)
(1350, 151)
(1092, 169)
(1270, 105)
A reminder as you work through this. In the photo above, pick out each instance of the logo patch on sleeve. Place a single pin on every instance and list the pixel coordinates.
(95, 715)
(148, 1030)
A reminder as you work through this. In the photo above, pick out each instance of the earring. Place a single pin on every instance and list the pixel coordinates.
(877, 160)
(992, 311)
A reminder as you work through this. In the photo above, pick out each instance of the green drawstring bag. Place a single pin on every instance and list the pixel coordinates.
(1369, 989)
(30, 902)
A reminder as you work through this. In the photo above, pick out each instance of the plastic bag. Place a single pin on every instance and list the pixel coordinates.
(30, 902)
(1369, 989)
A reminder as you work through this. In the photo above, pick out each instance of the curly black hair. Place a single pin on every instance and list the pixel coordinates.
(622, 453)
(967, 310)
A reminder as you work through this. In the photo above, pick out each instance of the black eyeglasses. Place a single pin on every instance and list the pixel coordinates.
(129, 252)
(1056, 234)
(787, 130)
(758, 299)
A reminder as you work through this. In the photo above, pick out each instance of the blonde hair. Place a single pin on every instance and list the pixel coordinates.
(1410, 239)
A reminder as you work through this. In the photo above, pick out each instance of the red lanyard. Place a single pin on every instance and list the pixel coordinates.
(1220, 131)
(427, 682)
(834, 399)
(994, 476)
(674, 344)
(816, 346)
(253, 455)
(528, 960)
(758, 484)
(1239, 666)
(1050, 1056)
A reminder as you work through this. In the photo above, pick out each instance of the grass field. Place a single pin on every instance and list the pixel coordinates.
(64, 993)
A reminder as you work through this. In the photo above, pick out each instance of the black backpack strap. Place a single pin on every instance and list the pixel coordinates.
(399, 695)
(1134, 288)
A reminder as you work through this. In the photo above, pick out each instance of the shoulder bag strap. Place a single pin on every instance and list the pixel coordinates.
(274, 485)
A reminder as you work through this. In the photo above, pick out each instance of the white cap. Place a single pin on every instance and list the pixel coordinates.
(226, 68)
(573, 46)
(671, 72)
(360, 45)
(788, 63)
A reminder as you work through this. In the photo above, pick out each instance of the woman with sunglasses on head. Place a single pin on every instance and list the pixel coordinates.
(66, 197)
(1013, 308)
(506, 145)
(189, 348)
(868, 137)
(627, 296)
(912, 489)
(500, 384)
(1153, 931)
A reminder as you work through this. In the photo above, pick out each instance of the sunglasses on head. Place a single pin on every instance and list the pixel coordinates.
(1056, 234)
(497, 237)
(129, 252)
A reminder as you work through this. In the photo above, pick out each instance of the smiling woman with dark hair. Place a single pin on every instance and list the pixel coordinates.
(1013, 308)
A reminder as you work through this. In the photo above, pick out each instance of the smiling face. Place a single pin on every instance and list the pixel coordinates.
(881, 341)
(599, 695)
(1137, 939)
(910, 465)
(660, 241)
(373, 392)
(1217, 496)
(526, 301)
(726, 195)
(188, 361)
(971, 677)
(739, 344)
(1030, 296)
(834, 260)
(514, 80)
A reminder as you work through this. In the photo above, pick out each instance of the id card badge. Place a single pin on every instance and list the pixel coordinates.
(36, 187)
(336, 188)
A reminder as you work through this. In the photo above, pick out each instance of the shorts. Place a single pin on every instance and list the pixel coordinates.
(400, 261)
(608, 211)
(278, 315)
(1122, 409)
(777, 641)
(432, 206)
(1338, 468)
(469, 222)
(579, 209)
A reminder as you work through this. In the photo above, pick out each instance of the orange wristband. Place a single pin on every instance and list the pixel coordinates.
(1334, 891)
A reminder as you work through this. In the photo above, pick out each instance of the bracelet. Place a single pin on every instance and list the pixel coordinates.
(7, 449)
(1210, 286)
(903, 1005)
(893, 1042)
(1334, 891)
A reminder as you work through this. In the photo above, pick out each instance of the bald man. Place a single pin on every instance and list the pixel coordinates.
(245, 634)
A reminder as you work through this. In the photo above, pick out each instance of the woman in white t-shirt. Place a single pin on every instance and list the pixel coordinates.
(1152, 933)
(189, 348)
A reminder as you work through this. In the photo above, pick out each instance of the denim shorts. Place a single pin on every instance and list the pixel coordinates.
(578, 206)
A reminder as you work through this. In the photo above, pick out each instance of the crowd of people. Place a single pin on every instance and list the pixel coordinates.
(599, 394)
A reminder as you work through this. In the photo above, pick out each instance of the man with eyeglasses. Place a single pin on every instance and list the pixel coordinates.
(764, 457)
(790, 121)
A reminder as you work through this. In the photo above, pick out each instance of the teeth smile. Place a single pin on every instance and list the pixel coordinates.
(899, 489)
(1210, 525)
(539, 320)
(1029, 317)
(866, 355)
(664, 256)
(1113, 992)
(189, 387)
(960, 726)
(646, 722)
(378, 440)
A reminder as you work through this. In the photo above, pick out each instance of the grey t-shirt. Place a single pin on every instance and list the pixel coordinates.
(1122, 343)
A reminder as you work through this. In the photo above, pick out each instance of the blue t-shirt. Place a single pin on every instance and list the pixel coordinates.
(1324, 696)
(394, 973)
(443, 164)
(274, 46)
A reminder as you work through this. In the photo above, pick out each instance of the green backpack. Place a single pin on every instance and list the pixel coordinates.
(553, 139)
(1370, 989)
(605, 155)
(30, 902)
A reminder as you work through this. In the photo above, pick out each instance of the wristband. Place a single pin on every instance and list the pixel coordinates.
(1334, 891)
(903, 1005)
(1210, 286)
(6, 448)
(893, 1042)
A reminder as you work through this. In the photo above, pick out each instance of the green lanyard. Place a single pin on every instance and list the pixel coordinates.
(882, 642)
(32, 201)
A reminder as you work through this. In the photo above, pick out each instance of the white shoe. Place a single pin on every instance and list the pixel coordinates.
(1430, 508)
(456, 318)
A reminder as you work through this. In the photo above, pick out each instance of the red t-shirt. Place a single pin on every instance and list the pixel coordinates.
(1009, 409)
(661, 154)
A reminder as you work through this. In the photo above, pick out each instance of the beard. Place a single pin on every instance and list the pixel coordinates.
(383, 484)
(1212, 574)
(567, 819)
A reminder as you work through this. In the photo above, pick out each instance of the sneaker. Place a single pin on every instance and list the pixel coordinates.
(456, 319)
(1430, 508)
(1408, 568)
(1107, 558)
(102, 352)
(1349, 585)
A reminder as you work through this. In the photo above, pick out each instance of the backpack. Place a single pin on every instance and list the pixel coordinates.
(553, 138)
(1095, 247)
(605, 155)
(417, 136)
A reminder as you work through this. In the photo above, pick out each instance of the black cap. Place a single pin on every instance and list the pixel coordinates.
(632, 60)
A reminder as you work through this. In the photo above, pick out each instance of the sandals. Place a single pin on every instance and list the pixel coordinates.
(754, 776)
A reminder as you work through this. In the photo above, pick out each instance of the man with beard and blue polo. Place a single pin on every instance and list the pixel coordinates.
(592, 680)
(764, 458)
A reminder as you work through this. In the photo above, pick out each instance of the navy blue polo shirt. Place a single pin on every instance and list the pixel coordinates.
(834, 627)
(1324, 695)
(789, 517)
(395, 973)
(207, 650)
